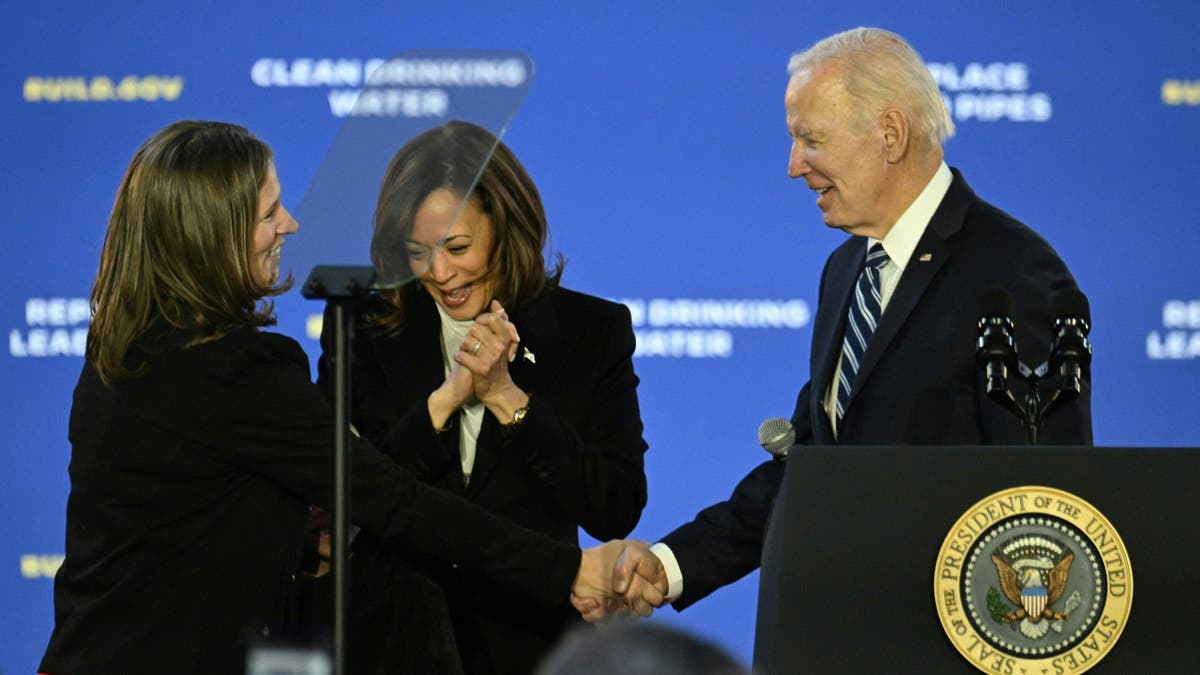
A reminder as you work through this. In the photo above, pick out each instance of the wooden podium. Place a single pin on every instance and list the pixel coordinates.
(847, 581)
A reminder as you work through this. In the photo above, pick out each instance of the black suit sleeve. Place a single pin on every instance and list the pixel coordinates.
(802, 416)
(275, 423)
(724, 542)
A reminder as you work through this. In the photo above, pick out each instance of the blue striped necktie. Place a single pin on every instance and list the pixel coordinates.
(860, 324)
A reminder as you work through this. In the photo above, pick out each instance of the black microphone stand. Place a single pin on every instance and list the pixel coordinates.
(1034, 412)
(1070, 353)
(340, 286)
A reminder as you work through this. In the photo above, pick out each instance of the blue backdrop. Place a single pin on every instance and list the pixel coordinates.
(656, 134)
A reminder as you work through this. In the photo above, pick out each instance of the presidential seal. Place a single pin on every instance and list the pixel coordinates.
(1033, 580)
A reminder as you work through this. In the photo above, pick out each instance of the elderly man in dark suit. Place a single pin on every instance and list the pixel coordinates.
(893, 357)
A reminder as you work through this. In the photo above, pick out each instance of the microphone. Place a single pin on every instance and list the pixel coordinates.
(776, 435)
(996, 352)
(1070, 352)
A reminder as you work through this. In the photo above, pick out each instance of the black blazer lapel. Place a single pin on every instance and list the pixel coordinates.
(927, 259)
(540, 356)
(413, 365)
(916, 278)
(829, 328)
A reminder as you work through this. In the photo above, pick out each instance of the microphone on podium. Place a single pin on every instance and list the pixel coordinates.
(776, 435)
(996, 351)
(1071, 353)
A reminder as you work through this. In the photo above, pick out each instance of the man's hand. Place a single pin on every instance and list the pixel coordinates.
(637, 582)
(640, 579)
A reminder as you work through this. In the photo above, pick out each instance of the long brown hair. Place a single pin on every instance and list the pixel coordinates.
(450, 157)
(178, 243)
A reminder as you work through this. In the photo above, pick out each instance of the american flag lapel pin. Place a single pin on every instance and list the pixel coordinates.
(926, 257)
(528, 356)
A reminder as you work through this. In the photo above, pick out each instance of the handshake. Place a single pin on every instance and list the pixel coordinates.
(620, 578)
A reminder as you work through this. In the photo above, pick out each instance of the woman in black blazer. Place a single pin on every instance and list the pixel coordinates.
(198, 441)
(510, 390)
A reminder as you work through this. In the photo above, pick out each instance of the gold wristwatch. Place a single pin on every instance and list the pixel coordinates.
(518, 415)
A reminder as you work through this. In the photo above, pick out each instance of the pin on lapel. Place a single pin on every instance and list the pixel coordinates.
(528, 356)
(926, 257)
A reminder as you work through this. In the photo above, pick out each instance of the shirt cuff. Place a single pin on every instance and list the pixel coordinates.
(671, 567)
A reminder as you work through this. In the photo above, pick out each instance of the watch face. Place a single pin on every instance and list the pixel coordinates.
(518, 415)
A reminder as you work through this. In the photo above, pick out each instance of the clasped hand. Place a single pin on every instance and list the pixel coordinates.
(635, 583)
(490, 345)
(480, 369)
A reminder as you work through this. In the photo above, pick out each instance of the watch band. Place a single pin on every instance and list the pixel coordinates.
(518, 415)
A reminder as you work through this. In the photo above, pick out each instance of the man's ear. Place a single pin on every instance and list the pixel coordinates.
(897, 134)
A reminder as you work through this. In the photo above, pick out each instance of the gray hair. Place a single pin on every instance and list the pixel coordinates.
(884, 70)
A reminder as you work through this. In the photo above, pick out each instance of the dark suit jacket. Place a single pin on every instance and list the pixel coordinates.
(918, 383)
(575, 460)
(189, 494)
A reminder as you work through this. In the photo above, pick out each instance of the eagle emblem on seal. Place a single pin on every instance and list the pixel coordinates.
(1033, 573)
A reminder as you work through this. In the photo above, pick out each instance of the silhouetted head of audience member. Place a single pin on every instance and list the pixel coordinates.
(637, 649)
